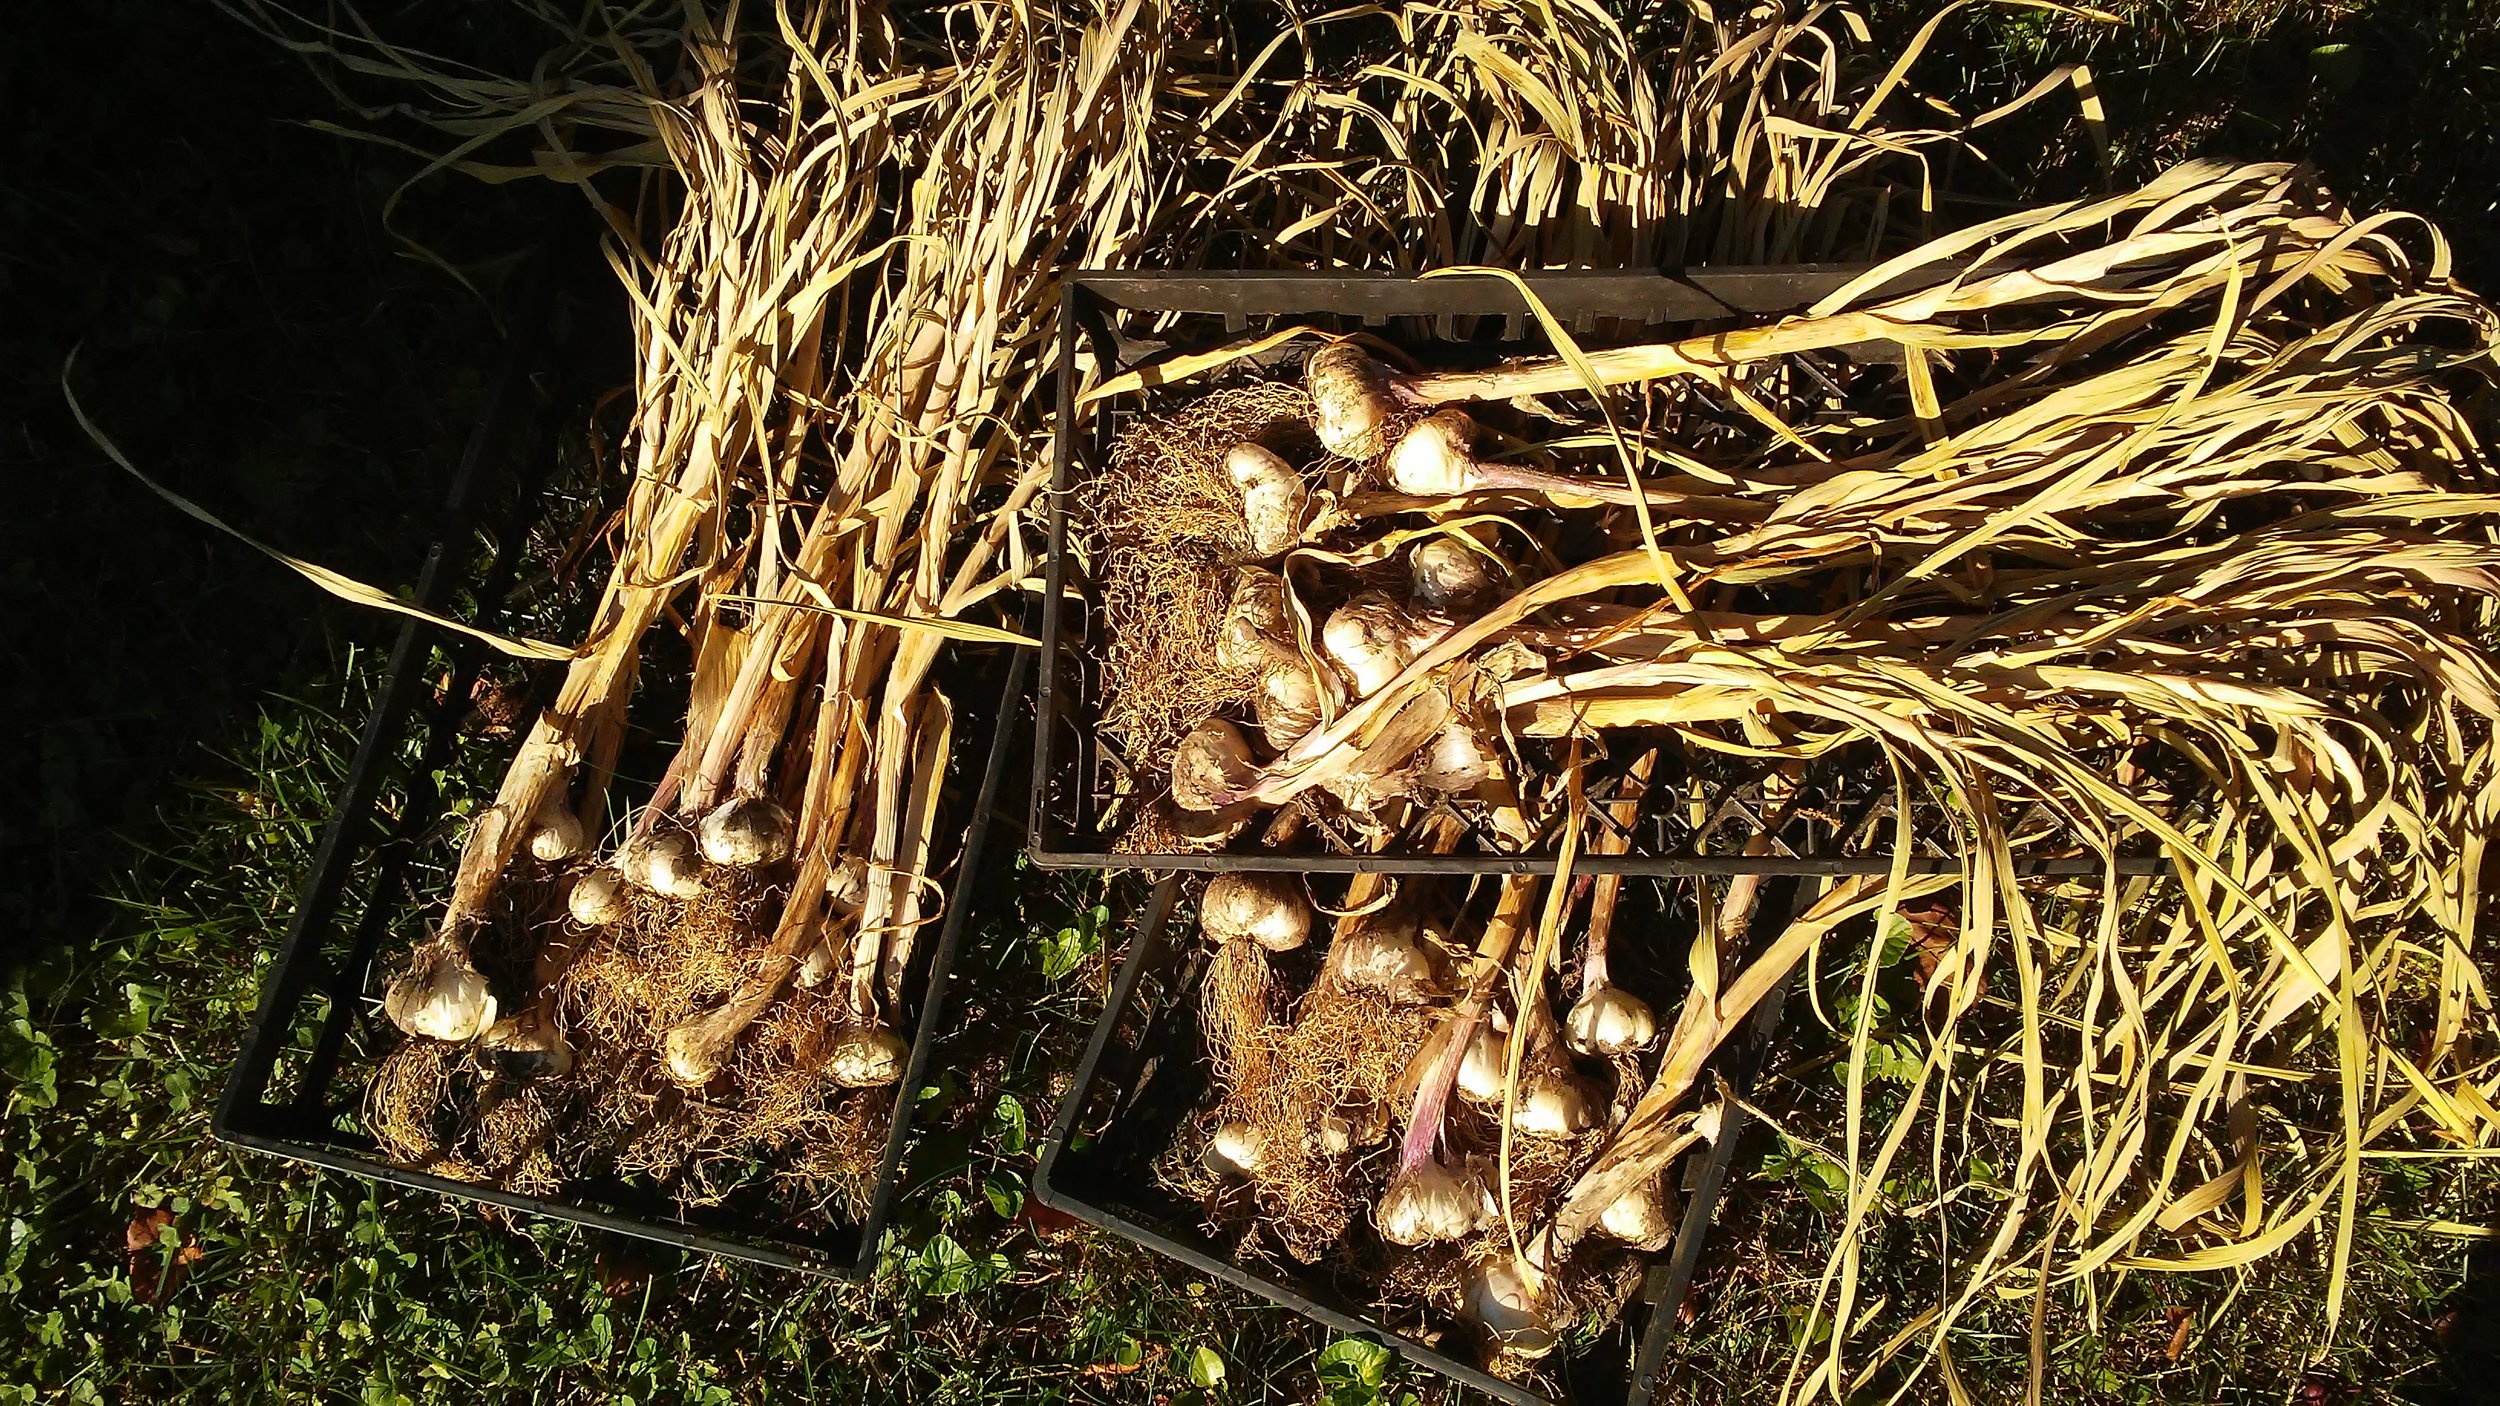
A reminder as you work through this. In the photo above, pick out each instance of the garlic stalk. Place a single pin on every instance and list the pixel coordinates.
(1436, 459)
(1645, 1144)
(1424, 1200)
(1607, 1021)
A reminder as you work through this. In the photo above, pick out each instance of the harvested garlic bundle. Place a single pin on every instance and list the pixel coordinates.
(1354, 400)
(1436, 459)
(746, 832)
(1428, 1203)
(1268, 909)
(1457, 761)
(1273, 498)
(598, 899)
(531, 1045)
(663, 864)
(1211, 767)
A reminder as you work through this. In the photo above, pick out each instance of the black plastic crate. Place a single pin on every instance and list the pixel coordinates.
(1125, 320)
(283, 1095)
(1142, 1078)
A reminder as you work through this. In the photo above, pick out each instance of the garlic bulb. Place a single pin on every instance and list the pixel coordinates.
(1256, 629)
(866, 1059)
(1500, 1302)
(1331, 1136)
(1456, 761)
(1643, 1217)
(598, 899)
(530, 1045)
(662, 864)
(1607, 1021)
(1273, 498)
(442, 995)
(1268, 909)
(1552, 1104)
(1381, 956)
(557, 835)
(1354, 399)
(746, 832)
(1371, 639)
(1211, 766)
(1236, 1150)
(1436, 458)
(1288, 704)
(1449, 577)
(1483, 1071)
(1429, 1203)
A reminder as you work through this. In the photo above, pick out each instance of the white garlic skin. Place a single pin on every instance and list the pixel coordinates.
(1448, 577)
(1436, 459)
(1383, 958)
(598, 899)
(1643, 1217)
(441, 996)
(1209, 765)
(664, 864)
(558, 834)
(1273, 498)
(1353, 400)
(1331, 1136)
(1607, 1021)
(1500, 1303)
(1288, 704)
(866, 1059)
(1236, 1150)
(1482, 1070)
(1268, 909)
(1456, 761)
(532, 1043)
(1552, 1105)
(1256, 630)
(1371, 639)
(746, 832)
(1429, 1204)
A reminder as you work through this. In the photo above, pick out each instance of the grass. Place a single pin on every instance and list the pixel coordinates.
(181, 713)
